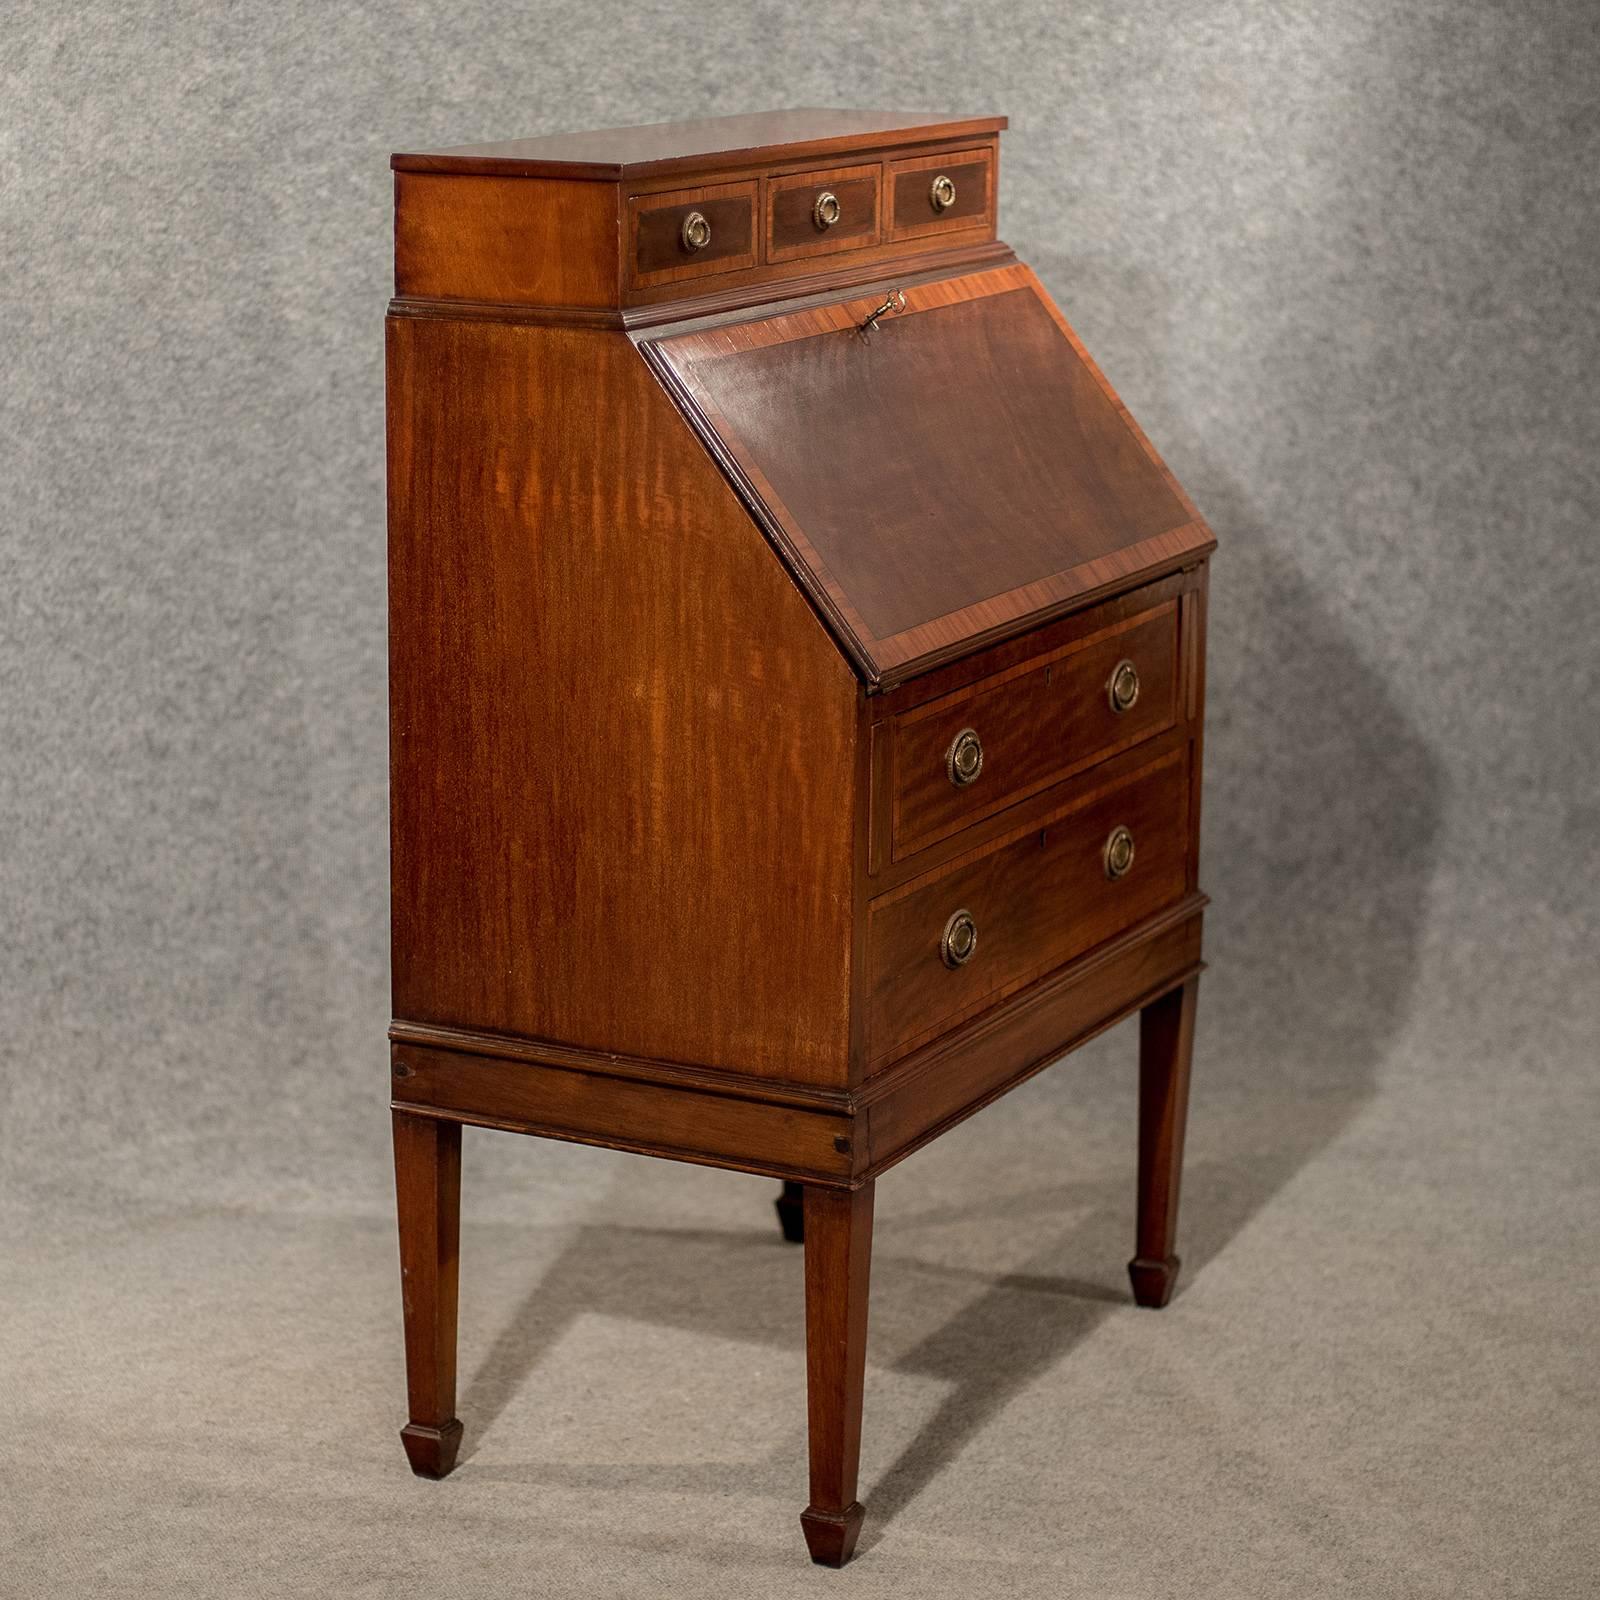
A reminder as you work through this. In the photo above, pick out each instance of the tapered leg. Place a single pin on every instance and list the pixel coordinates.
(1166, 1042)
(427, 1171)
(791, 1212)
(838, 1230)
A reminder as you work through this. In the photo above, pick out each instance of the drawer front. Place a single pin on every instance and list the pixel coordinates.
(820, 213)
(1034, 902)
(967, 755)
(940, 194)
(691, 233)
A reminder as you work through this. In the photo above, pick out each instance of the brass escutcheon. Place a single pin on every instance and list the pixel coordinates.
(959, 941)
(1119, 853)
(963, 761)
(942, 193)
(826, 211)
(696, 233)
(1123, 688)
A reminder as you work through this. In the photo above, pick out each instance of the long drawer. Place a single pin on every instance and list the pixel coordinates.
(967, 755)
(945, 946)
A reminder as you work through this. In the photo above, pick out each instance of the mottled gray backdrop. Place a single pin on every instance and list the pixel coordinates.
(1340, 260)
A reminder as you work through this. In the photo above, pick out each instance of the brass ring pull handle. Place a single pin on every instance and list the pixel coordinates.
(942, 193)
(959, 942)
(696, 232)
(963, 761)
(1123, 687)
(826, 211)
(1119, 853)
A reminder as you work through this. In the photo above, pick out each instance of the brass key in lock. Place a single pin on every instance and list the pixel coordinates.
(895, 302)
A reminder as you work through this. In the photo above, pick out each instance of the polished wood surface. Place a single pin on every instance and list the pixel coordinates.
(1002, 474)
(838, 1242)
(667, 147)
(912, 213)
(886, 869)
(1194, 673)
(1036, 724)
(546, 243)
(655, 224)
(495, 1082)
(623, 749)
(1014, 650)
(654, 1114)
(566, 242)
(1038, 898)
(1166, 1045)
(807, 277)
(945, 1081)
(792, 230)
(693, 581)
(427, 1170)
(785, 275)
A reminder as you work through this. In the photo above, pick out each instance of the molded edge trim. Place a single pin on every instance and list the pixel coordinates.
(787, 294)
(861, 1117)
(477, 159)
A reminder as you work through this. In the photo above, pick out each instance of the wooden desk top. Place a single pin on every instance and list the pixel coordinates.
(662, 147)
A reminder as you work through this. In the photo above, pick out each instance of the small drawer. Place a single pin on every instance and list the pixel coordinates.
(946, 946)
(967, 755)
(820, 213)
(940, 194)
(691, 233)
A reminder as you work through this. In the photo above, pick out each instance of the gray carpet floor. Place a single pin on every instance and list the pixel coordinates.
(1379, 1377)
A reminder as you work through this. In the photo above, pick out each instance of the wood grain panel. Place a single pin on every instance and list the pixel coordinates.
(792, 232)
(654, 1119)
(523, 241)
(1037, 723)
(564, 248)
(1001, 663)
(960, 472)
(928, 1092)
(765, 285)
(1014, 652)
(911, 211)
(611, 1064)
(1039, 899)
(657, 253)
(611, 826)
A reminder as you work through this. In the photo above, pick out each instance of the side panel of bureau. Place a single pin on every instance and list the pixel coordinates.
(623, 750)
(538, 241)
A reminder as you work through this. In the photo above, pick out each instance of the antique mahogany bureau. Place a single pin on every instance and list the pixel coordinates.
(797, 664)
